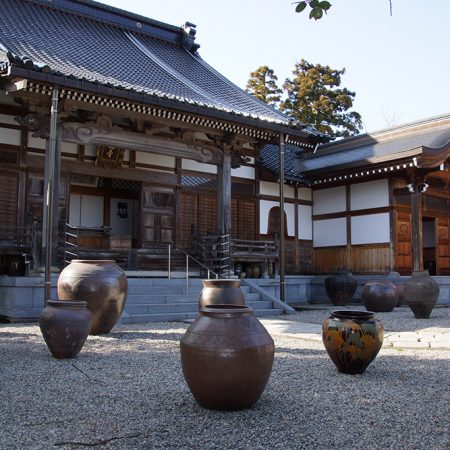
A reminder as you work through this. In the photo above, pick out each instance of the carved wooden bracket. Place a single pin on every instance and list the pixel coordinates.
(107, 134)
(39, 124)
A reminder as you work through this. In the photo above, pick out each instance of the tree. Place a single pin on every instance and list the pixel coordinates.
(263, 85)
(318, 8)
(314, 97)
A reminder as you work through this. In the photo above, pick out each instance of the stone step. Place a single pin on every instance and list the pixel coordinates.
(179, 316)
(156, 308)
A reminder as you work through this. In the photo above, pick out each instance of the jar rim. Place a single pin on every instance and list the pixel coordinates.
(68, 303)
(352, 314)
(226, 309)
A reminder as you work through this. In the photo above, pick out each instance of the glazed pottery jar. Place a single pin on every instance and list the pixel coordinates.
(221, 291)
(226, 357)
(352, 339)
(102, 284)
(421, 294)
(340, 287)
(379, 296)
(65, 326)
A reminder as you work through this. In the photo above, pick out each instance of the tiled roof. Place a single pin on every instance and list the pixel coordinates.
(85, 40)
(270, 159)
(388, 145)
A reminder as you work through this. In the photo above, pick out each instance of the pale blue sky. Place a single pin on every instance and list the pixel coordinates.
(399, 66)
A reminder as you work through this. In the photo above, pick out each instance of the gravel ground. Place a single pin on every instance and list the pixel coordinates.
(126, 391)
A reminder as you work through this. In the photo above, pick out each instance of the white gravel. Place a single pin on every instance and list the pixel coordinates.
(126, 391)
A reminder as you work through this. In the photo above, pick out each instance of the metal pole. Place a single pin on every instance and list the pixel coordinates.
(282, 246)
(168, 269)
(50, 189)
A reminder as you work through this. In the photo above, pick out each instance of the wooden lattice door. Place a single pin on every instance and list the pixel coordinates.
(442, 247)
(403, 247)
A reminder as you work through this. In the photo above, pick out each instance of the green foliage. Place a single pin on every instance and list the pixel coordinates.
(317, 8)
(263, 85)
(314, 97)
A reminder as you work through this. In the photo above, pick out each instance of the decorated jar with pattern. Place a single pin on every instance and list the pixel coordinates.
(226, 357)
(352, 339)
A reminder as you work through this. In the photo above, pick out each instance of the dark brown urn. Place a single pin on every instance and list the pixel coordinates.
(421, 294)
(394, 277)
(102, 284)
(226, 357)
(221, 291)
(340, 287)
(65, 326)
(379, 296)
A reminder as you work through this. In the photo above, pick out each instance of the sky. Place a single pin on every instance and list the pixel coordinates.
(398, 66)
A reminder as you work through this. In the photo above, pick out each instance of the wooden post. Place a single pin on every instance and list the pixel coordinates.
(416, 228)
(223, 204)
(282, 255)
(51, 169)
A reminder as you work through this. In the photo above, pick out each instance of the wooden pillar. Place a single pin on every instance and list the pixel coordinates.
(416, 228)
(282, 249)
(223, 204)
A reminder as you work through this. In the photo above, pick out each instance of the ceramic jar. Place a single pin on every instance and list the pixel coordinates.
(352, 339)
(340, 287)
(65, 326)
(102, 284)
(221, 291)
(379, 296)
(226, 357)
(421, 294)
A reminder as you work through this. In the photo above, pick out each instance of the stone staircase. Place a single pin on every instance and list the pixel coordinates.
(162, 299)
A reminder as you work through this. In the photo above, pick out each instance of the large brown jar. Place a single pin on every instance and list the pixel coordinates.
(222, 292)
(379, 296)
(102, 284)
(227, 357)
(340, 287)
(421, 294)
(65, 326)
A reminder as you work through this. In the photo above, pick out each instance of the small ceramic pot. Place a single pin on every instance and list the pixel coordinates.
(379, 296)
(65, 325)
(221, 292)
(352, 339)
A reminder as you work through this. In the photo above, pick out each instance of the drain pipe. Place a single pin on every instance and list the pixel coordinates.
(282, 258)
(50, 193)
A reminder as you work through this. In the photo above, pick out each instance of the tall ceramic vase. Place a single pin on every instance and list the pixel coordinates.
(102, 284)
(421, 294)
(352, 339)
(226, 357)
(340, 287)
(221, 291)
(65, 326)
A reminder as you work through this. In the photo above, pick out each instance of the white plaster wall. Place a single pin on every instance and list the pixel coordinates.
(330, 200)
(90, 150)
(9, 136)
(244, 172)
(273, 189)
(69, 147)
(155, 160)
(122, 226)
(330, 232)
(305, 222)
(86, 210)
(305, 194)
(370, 229)
(36, 142)
(265, 206)
(4, 118)
(189, 164)
(372, 194)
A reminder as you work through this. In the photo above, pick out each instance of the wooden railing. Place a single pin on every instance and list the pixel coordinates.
(214, 252)
(264, 253)
(16, 246)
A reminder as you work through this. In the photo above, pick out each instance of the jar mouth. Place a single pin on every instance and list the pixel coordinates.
(221, 282)
(67, 303)
(226, 309)
(93, 261)
(353, 314)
